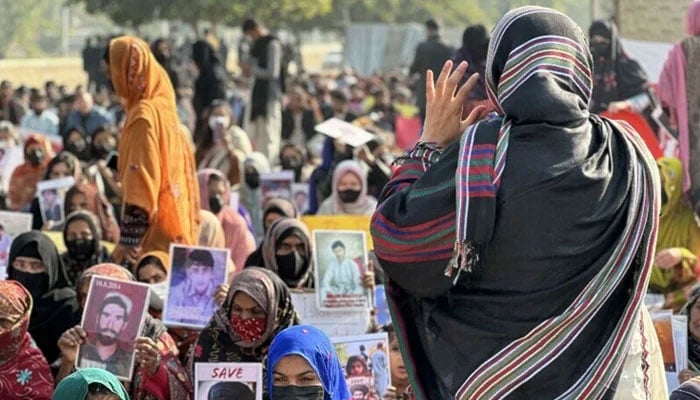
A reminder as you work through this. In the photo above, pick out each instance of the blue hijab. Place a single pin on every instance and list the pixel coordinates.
(316, 348)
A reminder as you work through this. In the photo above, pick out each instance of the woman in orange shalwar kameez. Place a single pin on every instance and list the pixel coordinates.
(156, 165)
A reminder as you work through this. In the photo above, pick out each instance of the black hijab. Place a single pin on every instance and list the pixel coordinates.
(617, 77)
(72, 262)
(555, 196)
(55, 309)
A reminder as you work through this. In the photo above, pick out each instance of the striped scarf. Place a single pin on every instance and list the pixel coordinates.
(481, 164)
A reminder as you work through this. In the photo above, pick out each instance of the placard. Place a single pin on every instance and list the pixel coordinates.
(275, 185)
(340, 223)
(51, 195)
(300, 197)
(12, 224)
(113, 318)
(365, 361)
(348, 133)
(240, 381)
(335, 323)
(340, 260)
(195, 274)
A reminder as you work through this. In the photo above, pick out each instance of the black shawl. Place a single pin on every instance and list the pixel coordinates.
(57, 310)
(617, 77)
(576, 192)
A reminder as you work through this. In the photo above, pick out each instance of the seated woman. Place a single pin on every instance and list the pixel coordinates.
(221, 144)
(257, 308)
(35, 263)
(24, 372)
(215, 192)
(85, 196)
(158, 373)
(90, 384)
(286, 251)
(274, 209)
(251, 195)
(349, 196)
(81, 234)
(678, 240)
(22, 187)
(303, 363)
(153, 269)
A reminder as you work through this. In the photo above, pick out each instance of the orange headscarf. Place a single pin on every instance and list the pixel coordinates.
(156, 164)
(25, 177)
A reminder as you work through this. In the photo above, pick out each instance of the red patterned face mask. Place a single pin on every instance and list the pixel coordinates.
(249, 330)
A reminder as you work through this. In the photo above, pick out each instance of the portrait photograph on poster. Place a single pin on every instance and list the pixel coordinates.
(223, 381)
(341, 260)
(300, 197)
(365, 361)
(12, 224)
(113, 318)
(51, 194)
(275, 185)
(195, 274)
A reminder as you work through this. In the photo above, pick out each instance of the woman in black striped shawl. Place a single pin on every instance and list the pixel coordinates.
(518, 256)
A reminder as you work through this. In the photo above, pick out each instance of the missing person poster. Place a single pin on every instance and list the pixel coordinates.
(113, 318)
(365, 361)
(220, 381)
(275, 185)
(341, 260)
(51, 195)
(12, 224)
(195, 275)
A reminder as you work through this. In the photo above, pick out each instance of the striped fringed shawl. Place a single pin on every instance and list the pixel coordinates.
(564, 235)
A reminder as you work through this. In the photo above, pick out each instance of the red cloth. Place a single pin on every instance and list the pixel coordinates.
(642, 127)
(407, 132)
(24, 372)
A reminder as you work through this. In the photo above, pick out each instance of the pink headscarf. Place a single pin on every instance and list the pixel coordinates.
(238, 238)
(364, 205)
(672, 89)
(692, 19)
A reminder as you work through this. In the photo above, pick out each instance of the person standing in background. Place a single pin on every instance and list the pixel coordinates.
(264, 122)
(156, 165)
(430, 55)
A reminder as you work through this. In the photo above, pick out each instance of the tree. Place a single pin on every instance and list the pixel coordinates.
(18, 20)
(129, 13)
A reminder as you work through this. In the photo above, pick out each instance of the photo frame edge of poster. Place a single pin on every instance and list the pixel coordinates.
(260, 378)
(142, 322)
(314, 248)
(175, 324)
(384, 336)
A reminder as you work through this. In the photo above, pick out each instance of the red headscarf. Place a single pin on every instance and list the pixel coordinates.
(24, 372)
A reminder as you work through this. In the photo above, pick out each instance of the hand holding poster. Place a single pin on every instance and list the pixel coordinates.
(341, 260)
(195, 275)
(219, 381)
(51, 194)
(365, 359)
(113, 318)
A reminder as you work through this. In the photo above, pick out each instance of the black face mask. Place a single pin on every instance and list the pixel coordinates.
(349, 196)
(35, 157)
(81, 249)
(216, 203)
(600, 50)
(292, 163)
(252, 180)
(101, 151)
(36, 284)
(297, 393)
(78, 149)
(291, 266)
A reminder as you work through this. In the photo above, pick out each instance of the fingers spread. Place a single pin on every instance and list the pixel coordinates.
(454, 79)
(442, 78)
